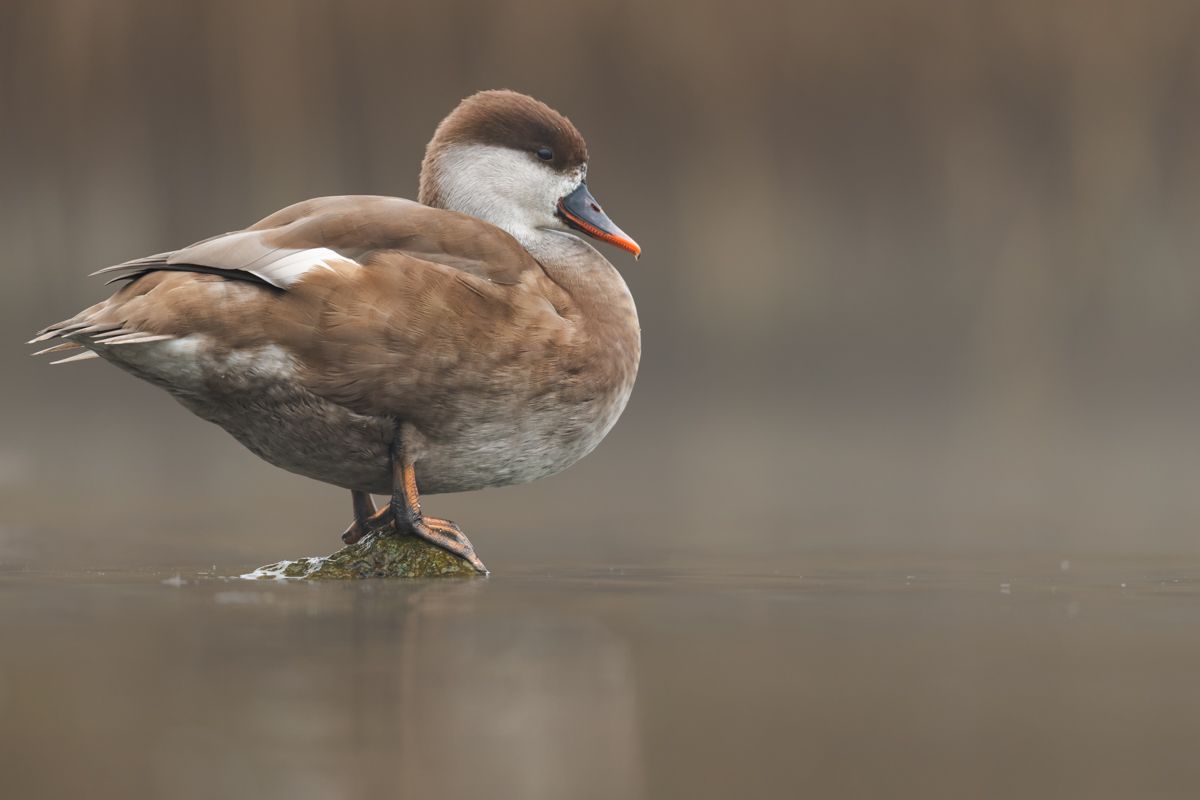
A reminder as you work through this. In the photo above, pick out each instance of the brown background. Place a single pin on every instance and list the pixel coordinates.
(917, 277)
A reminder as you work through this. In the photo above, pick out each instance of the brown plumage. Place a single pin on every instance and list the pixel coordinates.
(506, 119)
(346, 338)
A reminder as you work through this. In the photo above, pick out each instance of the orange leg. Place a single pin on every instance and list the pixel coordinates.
(366, 518)
(406, 506)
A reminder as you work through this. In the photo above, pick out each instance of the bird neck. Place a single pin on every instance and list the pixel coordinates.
(594, 285)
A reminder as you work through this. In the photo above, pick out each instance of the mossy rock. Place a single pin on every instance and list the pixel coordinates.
(380, 554)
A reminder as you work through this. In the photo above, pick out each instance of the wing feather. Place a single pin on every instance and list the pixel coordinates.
(290, 245)
(375, 295)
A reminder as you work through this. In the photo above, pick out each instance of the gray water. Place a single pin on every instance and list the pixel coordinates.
(855, 678)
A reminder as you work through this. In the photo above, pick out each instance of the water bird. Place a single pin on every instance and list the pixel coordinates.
(470, 339)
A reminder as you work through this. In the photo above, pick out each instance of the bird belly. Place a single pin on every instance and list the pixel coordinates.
(507, 445)
(253, 395)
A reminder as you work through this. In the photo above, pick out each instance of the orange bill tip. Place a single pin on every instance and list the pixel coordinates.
(617, 237)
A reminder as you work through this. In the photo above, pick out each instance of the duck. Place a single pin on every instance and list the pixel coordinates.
(472, 338)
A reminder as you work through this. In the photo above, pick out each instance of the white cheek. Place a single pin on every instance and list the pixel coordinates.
(504, 187)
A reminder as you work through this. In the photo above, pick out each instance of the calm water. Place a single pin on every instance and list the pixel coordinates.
(887, 678)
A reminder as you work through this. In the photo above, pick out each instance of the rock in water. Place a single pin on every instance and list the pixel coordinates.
(380, 554)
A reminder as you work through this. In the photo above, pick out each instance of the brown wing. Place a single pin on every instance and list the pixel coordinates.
(415, 311)
(291, 244)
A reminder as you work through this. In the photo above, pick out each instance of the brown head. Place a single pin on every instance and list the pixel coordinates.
(513, 161)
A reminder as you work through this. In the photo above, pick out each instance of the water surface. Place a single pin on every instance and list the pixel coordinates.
(885, 678)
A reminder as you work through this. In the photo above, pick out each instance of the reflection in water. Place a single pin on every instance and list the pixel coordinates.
(542, 703)
(858, 680)
(291, 690)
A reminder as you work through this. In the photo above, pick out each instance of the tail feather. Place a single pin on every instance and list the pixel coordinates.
(137, 338)
(84, 356)
(91, 335)
(99, 327)
(58, 348)
(43, 335)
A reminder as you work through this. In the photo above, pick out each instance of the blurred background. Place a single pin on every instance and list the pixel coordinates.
(917, 276)
(918, 288)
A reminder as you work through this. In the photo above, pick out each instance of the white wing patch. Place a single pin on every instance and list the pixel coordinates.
(288, 269)
(245, 251)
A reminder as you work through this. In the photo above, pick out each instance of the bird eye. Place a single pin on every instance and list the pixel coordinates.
(545, 153)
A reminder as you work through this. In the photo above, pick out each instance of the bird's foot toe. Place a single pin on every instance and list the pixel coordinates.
(448, 536)
(381, 519)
